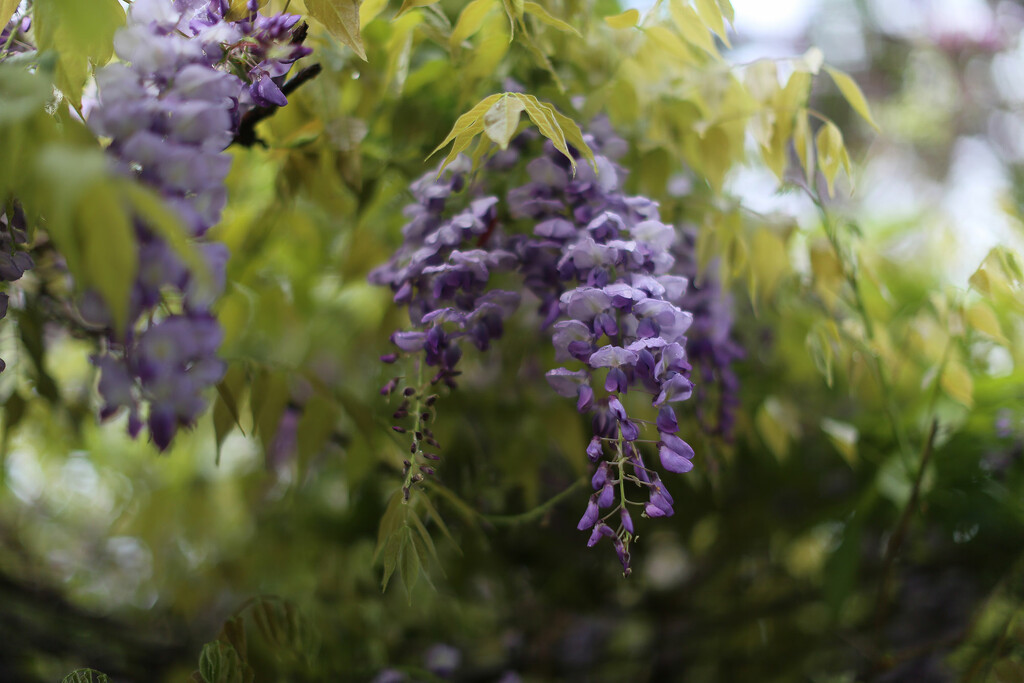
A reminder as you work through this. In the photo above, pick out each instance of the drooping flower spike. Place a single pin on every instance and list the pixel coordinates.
(613, 298)
(170, 108)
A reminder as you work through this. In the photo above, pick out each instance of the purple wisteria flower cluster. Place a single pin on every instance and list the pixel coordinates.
(14, 260)
(170, 108)
(612, 282)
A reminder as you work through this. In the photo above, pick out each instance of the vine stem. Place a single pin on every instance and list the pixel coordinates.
(900, 534)
(535, 513)
(891, 409)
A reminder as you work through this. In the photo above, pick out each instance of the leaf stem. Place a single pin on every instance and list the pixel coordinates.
(900, 534)
(535, 513)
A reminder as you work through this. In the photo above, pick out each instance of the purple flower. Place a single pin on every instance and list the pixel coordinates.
(589, 516)
(675, 454)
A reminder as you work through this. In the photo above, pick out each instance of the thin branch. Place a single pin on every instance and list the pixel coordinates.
(900, 534)
(246, 135)
(535, 513)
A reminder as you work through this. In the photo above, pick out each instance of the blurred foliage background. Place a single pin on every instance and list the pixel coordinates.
(866, 523)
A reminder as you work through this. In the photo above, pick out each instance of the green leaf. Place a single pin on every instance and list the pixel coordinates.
(542, 60)
(233, 633)
(81, 33)
(369, 10)
(390, 522)
(24, 94)
(981, 317)
(106, 241)
(842, 566)
(844, 437)
(409, 562)
(502, 119)
(412, 4)
(7, 9)
(691, 27)
(670, 43)
(315, 427)
(436, 516)
(543, 116)
(341, 18)
(268, 400)
(389, 558)
(574, 136)
(778, 425)
(428, 542)
(958, 384)
(470, 20)
(469, 124)
(627, 19)
(820, 349)
(225, 407)
(220, 663)
(727, 10)
(514, 11)
(543, 15)
(149, 206)
(831, 153)
(852, 92)
(239, 9)
(86, 676)
(803, 143)
(711, 14)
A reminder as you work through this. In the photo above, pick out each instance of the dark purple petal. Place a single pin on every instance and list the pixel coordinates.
(600, 531)
(667, 422)
(612, 356)
(565, 382)
(590, 516)
(627, 521)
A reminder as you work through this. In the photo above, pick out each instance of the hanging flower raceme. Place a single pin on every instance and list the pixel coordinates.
(612, 296)
(170, 108)
(14, 258)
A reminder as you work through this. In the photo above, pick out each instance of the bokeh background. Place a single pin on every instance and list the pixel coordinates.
(775, 566)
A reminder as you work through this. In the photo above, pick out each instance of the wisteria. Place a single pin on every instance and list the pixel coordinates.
(14, 259)
(170, 108)
(613, 293)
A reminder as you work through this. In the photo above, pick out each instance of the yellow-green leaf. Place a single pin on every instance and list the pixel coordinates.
(81, 34)
(472, 120)
(831, 153)
(574, 136)
(7, 8)
(341, 18)
(844, 437)
(543, 116)
(412, 4)
(470, 20)
(711, 14)
(691, 27)
(502, 119)
(670, 43)
(803, 142)
(777, 422)
(369, 10)
(958, 384)
(106, 240)
(810, 61)
(852, 92)
(727, 10)
(543, 15)
(627, 19)
(239, 9)
(981, 317)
